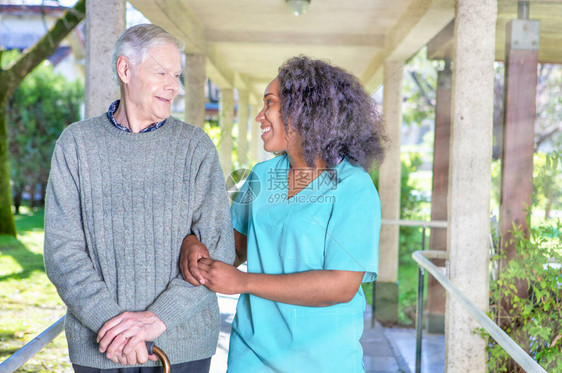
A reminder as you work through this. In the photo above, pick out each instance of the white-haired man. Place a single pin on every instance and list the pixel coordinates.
(125, 188)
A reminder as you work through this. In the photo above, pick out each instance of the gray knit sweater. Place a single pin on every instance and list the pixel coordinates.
(118, 206)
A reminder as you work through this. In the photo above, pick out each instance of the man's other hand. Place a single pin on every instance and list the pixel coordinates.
(123, 338)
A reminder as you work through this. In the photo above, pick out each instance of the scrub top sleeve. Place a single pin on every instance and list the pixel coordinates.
(352, 239)
(240, 209)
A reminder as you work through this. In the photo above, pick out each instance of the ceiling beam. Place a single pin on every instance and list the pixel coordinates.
(166, 14)
(217, 68)
(295, 38)
(421, 20)
(189, 29)
(243, 82)
(441, 46)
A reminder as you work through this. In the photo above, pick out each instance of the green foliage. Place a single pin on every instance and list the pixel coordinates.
(547, 185)
(40, 108)
(420, 80)
(495, 191)
(534, 319)
(547, 182)
(213, 129)
(549, 108)
(411, 203)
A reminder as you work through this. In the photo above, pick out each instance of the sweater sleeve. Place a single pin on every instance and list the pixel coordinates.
(210, 223)
(67, 261)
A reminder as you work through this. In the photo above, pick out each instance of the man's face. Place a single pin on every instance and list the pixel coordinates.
(154, 83)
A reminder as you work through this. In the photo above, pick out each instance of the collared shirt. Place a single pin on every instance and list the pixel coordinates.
(111, 111)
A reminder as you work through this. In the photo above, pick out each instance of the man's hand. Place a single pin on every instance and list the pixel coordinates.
(123, 337)
(221, 277)
(191, 251)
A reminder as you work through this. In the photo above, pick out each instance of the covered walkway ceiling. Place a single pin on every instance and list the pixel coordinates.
(245, 41)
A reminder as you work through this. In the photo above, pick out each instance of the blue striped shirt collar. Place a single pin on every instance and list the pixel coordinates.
(111, 111)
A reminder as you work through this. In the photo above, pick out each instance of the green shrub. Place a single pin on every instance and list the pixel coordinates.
(534, 319)
(41, 107)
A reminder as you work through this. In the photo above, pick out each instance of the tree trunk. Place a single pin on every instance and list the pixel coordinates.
(43, 189)
(7, 224)
(18, 198)
(9, 81)
(31, 196)
(547, 208)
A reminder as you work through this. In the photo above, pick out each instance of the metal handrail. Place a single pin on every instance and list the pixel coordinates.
(416, 223)
(513, 349)
(32, 347)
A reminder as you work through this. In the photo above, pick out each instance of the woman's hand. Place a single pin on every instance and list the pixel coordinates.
(191, 251)
(221, 277)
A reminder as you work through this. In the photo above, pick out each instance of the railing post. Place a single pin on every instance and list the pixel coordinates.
(373, 305)
(419, 320)
(419, 315)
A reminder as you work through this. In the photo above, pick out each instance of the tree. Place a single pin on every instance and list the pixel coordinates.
(10, 78)
(38, 111)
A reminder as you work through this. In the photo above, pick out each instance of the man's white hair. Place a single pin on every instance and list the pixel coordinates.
(134, 42)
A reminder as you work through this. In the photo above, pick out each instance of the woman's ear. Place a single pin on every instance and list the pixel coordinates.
(124, 69)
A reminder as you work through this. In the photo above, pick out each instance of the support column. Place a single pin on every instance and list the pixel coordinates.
(194, 78)
(226, 121)
(386, 286)
(243, 118)
(105, 21)
(521, 58)
(438, 240)
(470, 179)
(257, 142)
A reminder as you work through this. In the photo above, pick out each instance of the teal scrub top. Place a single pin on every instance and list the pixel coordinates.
(333, 224)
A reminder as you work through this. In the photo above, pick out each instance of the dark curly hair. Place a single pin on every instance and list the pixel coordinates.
(330, 110)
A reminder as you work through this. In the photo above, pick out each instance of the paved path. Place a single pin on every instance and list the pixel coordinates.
(386, 350)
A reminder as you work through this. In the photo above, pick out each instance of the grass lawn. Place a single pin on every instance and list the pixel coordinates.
(29, 301)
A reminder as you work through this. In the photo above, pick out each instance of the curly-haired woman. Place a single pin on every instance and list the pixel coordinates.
(308, 222)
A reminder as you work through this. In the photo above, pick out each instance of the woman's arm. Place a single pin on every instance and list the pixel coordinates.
(241, 245)
(192, 250)
(312, 288)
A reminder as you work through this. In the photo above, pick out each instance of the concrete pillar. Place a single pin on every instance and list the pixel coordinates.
(470, 179)
(438, 240)
(386, 286)
(194, 79)
(105, 21)
(243, 119)
(256, 140)
(226, 121)
(521, 58)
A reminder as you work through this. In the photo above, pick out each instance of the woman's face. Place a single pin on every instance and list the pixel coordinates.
(272, 127)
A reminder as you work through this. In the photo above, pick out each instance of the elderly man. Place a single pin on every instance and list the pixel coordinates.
(125, 188)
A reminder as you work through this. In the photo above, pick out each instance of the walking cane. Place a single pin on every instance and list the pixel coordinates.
(153, 350)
